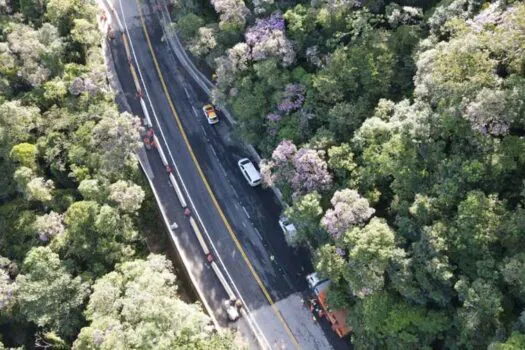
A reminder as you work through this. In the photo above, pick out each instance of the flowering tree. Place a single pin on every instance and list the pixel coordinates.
(488, 112)
(279, 167)
(205, 42)
(239, 56)
(284, 152)
(232, 13)
(305, 170)
(40, 189)
(7, 286)
(36, 53)
(266, 38)
(128, 195)
(311, 171)
(349, 209)
(117, 138)
(293, 98)
(49, 226)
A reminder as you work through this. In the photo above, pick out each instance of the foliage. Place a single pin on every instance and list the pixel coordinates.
(136, 307)
(70, 193)
(60, 296)
(395, 133)
(349, 209)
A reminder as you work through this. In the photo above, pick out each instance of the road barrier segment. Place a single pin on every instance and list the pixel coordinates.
(146, 113)
(178, 191)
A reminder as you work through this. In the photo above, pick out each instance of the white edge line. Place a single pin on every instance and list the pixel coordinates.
(258, 233)
(213, 151)
(246, 212)
(250, 318)
(203, 130)
(195, 111)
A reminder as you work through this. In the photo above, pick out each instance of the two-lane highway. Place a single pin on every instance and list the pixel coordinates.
(240, 222)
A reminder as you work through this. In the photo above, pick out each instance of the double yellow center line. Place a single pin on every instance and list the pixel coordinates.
(207, 185)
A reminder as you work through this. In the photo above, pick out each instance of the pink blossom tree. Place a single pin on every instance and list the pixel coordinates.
(349, 210)
(310, 171)
(305, 170)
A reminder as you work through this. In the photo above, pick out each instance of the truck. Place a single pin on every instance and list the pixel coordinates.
(337, 318)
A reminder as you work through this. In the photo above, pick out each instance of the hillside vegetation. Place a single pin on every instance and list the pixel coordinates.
(396, 134)
(74, 267)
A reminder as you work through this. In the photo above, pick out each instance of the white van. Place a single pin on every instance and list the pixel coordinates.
(250, 173)
(290, 232)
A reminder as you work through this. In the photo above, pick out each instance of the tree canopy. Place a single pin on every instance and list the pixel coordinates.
(70, 197)
(395, 132)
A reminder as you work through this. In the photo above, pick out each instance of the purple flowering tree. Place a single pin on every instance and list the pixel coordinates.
(284, 152)
(304, 170)
(310, 171)
(349, 210)
(293, 98)
(267, 39)
(273, 117)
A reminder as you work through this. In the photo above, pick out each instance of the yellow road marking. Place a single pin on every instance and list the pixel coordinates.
(207, 185)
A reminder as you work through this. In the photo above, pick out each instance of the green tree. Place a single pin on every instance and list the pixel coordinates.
(85, 32)
(384, 321)
(305, 214)
(24, 154)
(188, 25)
(341, 161)
(370, 250)
(516, 341)
(98, 236)
(48, 295)
(479, 316)
(476, 230)
(330, 263)
(150, 314)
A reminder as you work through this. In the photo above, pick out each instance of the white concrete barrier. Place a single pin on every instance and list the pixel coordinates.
(146, 113)
(220, 276)
(135, 79)
(161, 152)
(198, 233)
(112, 8)
(178, 191)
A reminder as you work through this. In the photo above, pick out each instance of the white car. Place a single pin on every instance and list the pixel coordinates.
(314, 280)
(249, 172)
(289, 230)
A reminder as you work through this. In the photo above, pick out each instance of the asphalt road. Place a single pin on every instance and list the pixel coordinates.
(252, 213)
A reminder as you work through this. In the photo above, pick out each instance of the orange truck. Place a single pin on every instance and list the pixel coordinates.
(337, 318)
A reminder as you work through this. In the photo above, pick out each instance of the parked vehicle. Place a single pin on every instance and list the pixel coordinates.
(250, 173)
(210, 114)
(289, 230)
(336, 317)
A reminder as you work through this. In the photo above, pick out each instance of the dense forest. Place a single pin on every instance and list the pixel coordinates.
(74, 267)
(396, 134)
